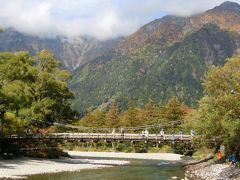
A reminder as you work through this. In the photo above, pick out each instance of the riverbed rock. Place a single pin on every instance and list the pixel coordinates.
(212, 171)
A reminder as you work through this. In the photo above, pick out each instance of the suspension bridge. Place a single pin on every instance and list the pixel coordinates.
(155, 135)
(148, 133)
(105, 137)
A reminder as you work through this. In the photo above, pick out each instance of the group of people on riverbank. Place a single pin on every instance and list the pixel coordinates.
(231, 158)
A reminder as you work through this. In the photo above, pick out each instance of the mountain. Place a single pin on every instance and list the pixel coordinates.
(73, 52)
(166, 57)
(170, 29)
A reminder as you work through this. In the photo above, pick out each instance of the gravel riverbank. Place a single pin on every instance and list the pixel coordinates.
(156, 156)
(212, 171)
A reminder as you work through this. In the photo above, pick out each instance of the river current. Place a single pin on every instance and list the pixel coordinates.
(136, 170)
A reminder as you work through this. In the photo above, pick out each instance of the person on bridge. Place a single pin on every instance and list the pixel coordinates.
(192, 133)
(143, 134)
(146, 133)
(113, 131)
(172, 136)
(122, 132)
(181, 135)
(162, 134)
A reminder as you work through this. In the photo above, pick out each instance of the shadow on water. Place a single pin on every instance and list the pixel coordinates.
(137, 170)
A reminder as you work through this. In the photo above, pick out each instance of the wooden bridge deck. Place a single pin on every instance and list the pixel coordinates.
(107, 137)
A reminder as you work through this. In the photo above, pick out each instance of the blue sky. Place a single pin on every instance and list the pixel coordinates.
(102, 19)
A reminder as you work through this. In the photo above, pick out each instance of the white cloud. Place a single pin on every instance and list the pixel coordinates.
(99, 18)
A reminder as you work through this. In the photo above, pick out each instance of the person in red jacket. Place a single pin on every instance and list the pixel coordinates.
(219, 156)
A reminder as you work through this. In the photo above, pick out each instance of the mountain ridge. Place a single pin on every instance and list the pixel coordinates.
(169, 61)
(178, 27)
(72, 52)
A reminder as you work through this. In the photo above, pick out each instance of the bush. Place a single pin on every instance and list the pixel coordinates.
(140, 147)
(183, 148)
(166, 149)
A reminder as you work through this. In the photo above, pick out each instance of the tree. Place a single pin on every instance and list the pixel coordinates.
(35, 87)
(130, 118)
(15, 80)
(174, 111)
(17, 94)
(112, 117)
(149, 113)
(95, 118)
(219, 110)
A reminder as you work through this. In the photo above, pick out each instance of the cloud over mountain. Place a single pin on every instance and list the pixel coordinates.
(99, 18)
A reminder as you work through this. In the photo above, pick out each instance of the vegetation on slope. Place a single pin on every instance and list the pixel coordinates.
(153, 71)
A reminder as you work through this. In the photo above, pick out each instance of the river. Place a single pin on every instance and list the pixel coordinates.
(136, 170)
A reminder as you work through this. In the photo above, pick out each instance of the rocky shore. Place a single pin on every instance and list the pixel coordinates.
(212, 171)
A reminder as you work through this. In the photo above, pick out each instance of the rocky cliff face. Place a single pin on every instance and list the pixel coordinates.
(72, 52)
(167, 57)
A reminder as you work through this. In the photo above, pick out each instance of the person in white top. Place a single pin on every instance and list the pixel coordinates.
(146, 133)
(162, 134)
(181, 135)
(113, 131)
(142, 134)
(192, 133)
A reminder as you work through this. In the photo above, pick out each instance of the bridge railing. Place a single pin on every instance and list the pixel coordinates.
(109, 137)
(112, 136)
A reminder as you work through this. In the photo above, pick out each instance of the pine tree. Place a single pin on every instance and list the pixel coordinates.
(174, 111)
(112, 117)
(130, 117)
(149, 112)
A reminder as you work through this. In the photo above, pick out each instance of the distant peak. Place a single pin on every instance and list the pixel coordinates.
(228, 5)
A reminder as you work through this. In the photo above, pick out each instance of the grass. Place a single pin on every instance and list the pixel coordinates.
(202, 153)
(163, 149)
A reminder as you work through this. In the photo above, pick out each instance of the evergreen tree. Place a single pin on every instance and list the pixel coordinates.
(174, 110)
(130, 117)
(149, 112)
(95, 118)
(112, 117)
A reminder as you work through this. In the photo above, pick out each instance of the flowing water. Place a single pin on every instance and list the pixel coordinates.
(136, 170)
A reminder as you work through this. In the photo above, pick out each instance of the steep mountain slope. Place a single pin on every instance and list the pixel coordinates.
(170, 29)
(72, 52)
(167, 57)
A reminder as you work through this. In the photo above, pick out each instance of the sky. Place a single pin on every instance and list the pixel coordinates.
(102, 19)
